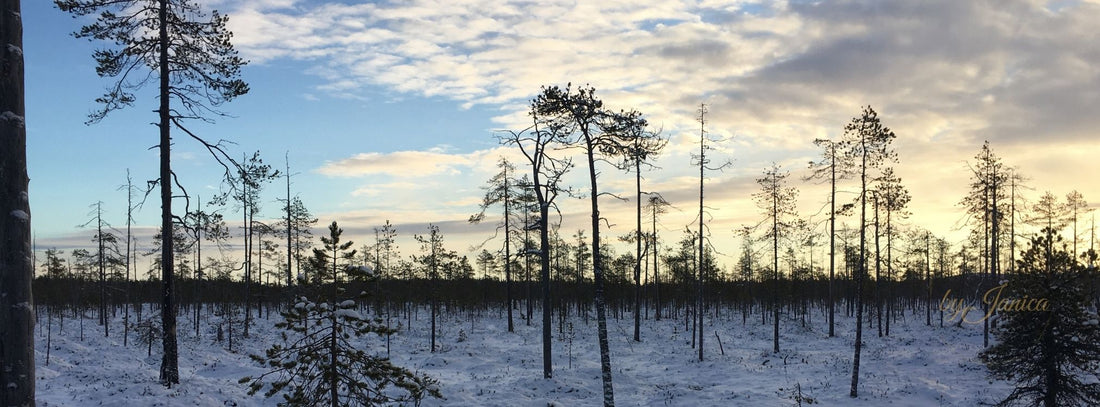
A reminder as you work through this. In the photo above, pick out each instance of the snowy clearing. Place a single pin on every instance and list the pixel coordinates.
(479, 364)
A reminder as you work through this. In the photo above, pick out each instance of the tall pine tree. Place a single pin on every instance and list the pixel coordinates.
(196, 67)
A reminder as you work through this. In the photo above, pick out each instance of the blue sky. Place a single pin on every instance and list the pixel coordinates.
(387, 109)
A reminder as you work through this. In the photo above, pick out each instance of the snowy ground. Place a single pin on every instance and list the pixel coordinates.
(916, 366)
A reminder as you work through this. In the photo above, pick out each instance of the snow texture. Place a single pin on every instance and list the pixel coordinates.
(21, 215)
(9, 116)
(365, 270)
(915, 366)
(349, 314)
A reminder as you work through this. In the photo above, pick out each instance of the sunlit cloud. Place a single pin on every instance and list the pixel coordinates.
(944, 75)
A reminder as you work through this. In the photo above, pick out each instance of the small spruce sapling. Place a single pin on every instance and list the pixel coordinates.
(318, 364)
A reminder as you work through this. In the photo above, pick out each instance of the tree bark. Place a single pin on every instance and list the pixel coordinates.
(16, 266)
(597, 272)
(638, 244)
(832, 236)
(290, 228)
(862, 268)
(169, 363)
(508, 250)
(775, 264)
(700, 263)
(537, 161)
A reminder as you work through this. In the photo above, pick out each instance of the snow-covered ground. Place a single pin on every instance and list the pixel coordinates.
(479, 364)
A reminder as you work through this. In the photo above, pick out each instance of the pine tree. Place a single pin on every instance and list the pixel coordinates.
(834, 167)
(500, 189)
(546, 172)
(591, 124)
(778, 202)
(643, 148)
(318, 364)
(867, 141)
(195, 65)
(1049, 339)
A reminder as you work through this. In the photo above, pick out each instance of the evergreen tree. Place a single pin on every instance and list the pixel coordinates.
(866, 141)
(778, 201)
(835, 167)
(644, 145)
(1049, 340)
(546, 172)
(190, 55)
(501, 189)
(597, 132)
(318, 363)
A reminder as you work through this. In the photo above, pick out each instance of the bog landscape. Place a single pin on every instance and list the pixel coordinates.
(309, 203)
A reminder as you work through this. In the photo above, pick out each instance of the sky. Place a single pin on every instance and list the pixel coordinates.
(389, 110)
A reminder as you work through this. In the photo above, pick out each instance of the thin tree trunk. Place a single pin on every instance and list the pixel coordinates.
(928, 280)
(862, 269)
(544, 258)
(878, 276)
(889, 260)
(102, 269)
(656, 275)
(775, 264)
(597, 271)
(700, 263)
(129, 223)
(169, 364)
(198, 265)
(507, 251)
(832, 236)
(638, 245)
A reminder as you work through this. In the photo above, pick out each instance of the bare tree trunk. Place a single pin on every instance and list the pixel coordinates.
(775, 270)
(507, 251)
(638, 248)
(16, 264)
(878, 274)
(928, 280)
(290, 228)
(537, 161)
(861, 269)
(198, 265)
(656, 274)
(169, 363)
(597, 271)
(700, 263)
(102, 269)
(832, 236)
(129, 245)
(544, 261)
(248, 208)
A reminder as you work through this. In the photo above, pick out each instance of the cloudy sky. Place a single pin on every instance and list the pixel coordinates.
(387, 110)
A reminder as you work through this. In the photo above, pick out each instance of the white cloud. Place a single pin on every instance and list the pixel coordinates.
(943, 74)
